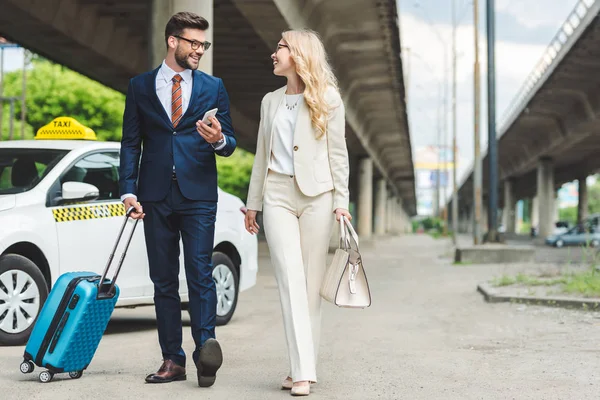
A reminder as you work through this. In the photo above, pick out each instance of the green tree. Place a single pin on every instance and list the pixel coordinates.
(54, 91)
(594, 198)
(234, 173)
(5, 128)
(568, 214)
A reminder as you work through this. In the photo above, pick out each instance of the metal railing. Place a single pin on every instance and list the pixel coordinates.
(549, 57)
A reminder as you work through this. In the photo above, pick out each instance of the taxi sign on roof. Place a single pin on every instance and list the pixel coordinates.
(65, 128)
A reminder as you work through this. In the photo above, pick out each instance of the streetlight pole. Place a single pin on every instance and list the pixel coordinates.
(476, 133)
(492, 235)
(454, 146)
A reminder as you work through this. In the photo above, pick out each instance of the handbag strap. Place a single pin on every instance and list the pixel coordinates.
(344, 239)
(351, 229)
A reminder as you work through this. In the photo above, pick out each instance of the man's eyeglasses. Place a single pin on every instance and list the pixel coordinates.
(280, 46)
(195, 44)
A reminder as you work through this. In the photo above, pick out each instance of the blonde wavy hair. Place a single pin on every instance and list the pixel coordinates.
(312, 65)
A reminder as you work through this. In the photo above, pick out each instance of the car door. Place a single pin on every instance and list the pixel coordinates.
(87, 231)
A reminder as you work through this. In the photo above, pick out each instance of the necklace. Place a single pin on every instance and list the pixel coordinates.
(292, 106)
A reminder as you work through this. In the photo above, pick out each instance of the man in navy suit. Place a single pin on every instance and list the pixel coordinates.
(176, 187)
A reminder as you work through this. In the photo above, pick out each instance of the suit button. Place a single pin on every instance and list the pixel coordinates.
(174, 133)
(295, 148)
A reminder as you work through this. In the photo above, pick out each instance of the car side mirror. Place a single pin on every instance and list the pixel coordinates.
(79, 191)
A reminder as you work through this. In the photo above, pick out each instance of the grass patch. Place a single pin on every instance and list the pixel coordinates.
(586, 283)
(462, 263)
(526, 280)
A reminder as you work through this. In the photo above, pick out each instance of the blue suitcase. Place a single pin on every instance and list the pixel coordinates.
(73, 320)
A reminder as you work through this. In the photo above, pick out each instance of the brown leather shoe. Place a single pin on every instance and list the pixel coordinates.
(168, 372)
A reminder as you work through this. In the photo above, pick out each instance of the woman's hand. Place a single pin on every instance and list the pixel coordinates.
(341, 211)
(250, 220)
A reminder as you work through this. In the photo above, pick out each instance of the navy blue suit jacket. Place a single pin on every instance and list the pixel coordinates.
(146, 125)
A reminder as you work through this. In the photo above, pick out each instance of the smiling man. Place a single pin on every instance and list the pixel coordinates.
(174, 189)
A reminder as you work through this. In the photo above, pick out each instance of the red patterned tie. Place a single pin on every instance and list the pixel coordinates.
(176, 100)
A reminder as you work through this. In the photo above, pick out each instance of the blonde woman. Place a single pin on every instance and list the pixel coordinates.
(300, 181)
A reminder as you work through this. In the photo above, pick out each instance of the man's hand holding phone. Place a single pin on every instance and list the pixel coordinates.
(210, 128)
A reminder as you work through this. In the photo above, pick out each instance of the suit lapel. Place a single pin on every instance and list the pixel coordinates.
(302, 123)
(197, 82)
(151, 87)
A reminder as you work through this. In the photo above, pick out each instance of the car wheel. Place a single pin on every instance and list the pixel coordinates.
(560, 243)
(227, 281)
(594, 243)
(23, 291)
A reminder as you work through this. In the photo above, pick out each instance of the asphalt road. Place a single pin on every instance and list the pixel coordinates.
(428, 335)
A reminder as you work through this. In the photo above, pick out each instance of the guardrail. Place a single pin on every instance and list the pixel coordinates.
(560, 39)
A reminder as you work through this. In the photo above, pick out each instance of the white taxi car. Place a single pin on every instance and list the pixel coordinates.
(60, 211)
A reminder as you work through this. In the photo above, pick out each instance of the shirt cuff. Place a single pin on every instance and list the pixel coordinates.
(126, 195)
(221, 145)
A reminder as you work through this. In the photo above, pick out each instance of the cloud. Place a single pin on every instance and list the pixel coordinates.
(533, 14)
(423, 59)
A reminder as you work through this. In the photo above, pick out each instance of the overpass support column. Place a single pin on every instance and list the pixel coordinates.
(535, 213)
(582, 204)
(365, 198)
(400, 217)
(162, 10)
(380, 207)
(508, 214)
(545, 195)
(389, 226)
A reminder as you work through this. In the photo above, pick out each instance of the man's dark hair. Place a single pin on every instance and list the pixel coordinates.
(184, 20)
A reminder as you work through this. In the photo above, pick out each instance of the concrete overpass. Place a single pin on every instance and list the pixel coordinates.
(111, 41)
(550, 134)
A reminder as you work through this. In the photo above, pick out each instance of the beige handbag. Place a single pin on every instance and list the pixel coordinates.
(345, 283)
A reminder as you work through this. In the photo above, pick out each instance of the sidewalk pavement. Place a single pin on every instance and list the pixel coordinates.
(428, 335)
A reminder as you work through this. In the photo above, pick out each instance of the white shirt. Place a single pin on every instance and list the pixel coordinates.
(282, 153)
(164, 87)
(164, 91)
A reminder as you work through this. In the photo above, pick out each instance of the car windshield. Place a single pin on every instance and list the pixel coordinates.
(22, 169)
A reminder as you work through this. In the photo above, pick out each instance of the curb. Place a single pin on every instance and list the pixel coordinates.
(565, 302)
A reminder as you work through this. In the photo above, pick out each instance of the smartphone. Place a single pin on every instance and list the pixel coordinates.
(208, 114)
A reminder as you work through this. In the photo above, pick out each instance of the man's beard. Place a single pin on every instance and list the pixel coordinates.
(182, 59)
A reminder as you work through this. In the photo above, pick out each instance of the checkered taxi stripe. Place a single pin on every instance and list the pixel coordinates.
(64, 214)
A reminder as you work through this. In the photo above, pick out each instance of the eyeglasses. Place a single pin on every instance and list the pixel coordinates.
(195, 44)
(280, 46)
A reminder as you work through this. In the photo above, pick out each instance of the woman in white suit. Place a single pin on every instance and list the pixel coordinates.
(300, 181)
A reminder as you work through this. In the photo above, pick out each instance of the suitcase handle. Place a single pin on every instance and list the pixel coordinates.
(105, 290)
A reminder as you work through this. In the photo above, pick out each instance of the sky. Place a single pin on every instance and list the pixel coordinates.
(524, 29)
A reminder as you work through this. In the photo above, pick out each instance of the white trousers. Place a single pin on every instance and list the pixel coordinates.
(298, 229)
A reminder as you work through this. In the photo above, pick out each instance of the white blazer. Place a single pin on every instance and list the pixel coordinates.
(319, 165)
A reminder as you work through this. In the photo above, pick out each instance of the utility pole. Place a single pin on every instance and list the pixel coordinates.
(454, 146)
(438, 143)
(23, 95)
(492, 235)
(476, 132)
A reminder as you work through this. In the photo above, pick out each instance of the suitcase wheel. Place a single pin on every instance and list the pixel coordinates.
(46, 376)
(75, 374)
(27, 367)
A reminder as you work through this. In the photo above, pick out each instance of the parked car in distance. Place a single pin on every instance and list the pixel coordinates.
(576, 236)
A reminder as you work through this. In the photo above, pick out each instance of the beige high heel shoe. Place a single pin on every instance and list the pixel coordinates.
(303, 390)
(287, 384)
